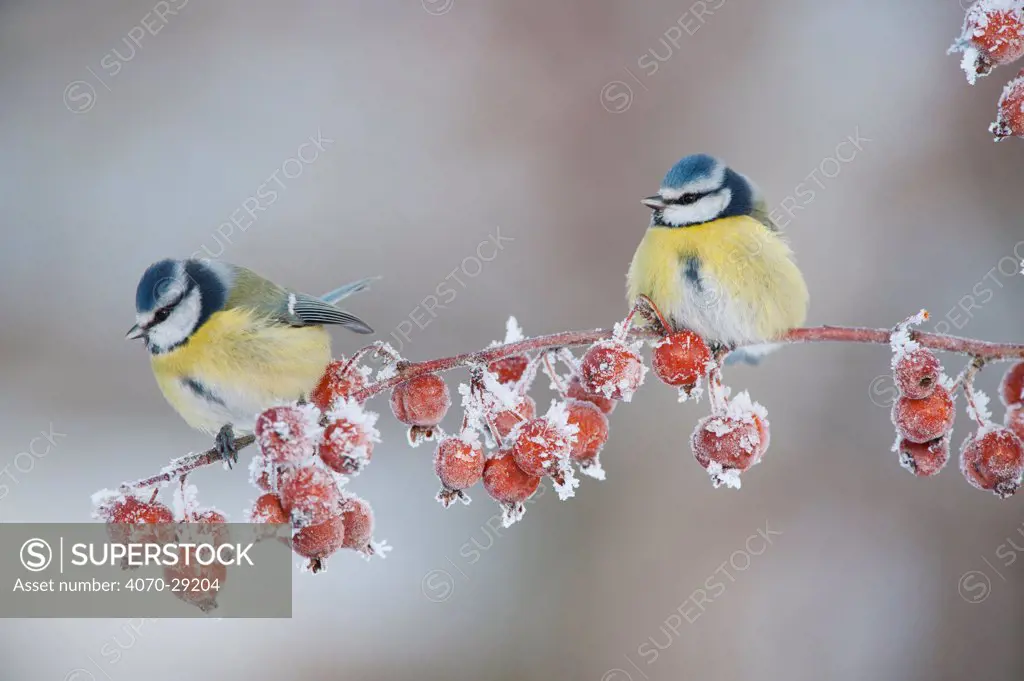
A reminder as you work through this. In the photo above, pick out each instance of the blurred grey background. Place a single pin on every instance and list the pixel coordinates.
(130, 133)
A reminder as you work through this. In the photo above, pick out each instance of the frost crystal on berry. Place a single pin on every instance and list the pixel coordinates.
(578, 392)
(901, 341)
(992, 35)
(916, 372)
(506, 420)
(263, 473)
(680, 359)
(1010, 114)
(979, 411)
(613, 370)
(459, 463)
(120, 510)
(310, 495)
(349, 437)
(340, 380)
(993, 459)
(542, 442)
(289, 434)
(729, 444)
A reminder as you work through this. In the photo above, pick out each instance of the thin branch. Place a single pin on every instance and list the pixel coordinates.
(186, 464)
(966, 381)
(982, 350)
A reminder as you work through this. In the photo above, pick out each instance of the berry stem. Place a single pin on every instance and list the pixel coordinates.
(549, 369)
(981, 350)
(647, 309)
(966, 381)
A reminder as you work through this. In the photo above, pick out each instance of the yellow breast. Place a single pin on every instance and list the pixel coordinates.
(246, 363)
(756, 290)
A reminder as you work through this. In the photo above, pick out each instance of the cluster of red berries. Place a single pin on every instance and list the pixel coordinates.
(523, 447)
(135, 520)
(993, 35)
(306, 450)
(992, 458)
(735, 436)
(305, 453)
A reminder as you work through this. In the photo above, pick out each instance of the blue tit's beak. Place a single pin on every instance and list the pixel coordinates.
(655, 202)
(135, 332)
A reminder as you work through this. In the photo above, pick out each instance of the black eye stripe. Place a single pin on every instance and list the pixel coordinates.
(164, 311)
(686, 199)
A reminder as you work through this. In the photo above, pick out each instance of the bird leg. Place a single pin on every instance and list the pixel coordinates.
(719, 351)
(649, 311)
(225, 444)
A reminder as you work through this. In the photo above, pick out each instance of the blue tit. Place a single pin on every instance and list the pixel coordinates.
(713, 261)
(226, 344)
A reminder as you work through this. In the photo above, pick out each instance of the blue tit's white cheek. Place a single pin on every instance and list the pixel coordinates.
(179, 325)
(703, 210)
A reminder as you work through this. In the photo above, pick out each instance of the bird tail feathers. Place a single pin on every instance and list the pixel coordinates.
(339, 294)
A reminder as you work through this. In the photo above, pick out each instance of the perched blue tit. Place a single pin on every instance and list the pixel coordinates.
(713, 261)
(226, 344)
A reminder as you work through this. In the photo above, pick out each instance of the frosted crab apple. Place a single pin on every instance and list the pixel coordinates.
(680, 359)
(509, 369)
(925, 419)
(992, 35)
(459, 464)
(917, 373)
(1010, 113)
(613, 370)
(1011, 390)
(349, 437)
(310, 495)
(128, 517)
(993, 459)
(268, 509)
(731, 443)
(539, 445)
(505, 420)
(422, 401)
(358, 517)
(924, 459)
(341, 379)
(509, 485)
(578, 392)
(317, 542)
(591, 429)
(289, 435)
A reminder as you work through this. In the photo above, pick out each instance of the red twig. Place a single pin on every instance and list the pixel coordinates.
(982, 350)
(187, 464)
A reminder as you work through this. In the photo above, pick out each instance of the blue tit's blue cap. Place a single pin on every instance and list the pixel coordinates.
(691, 168)
(154, 283)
